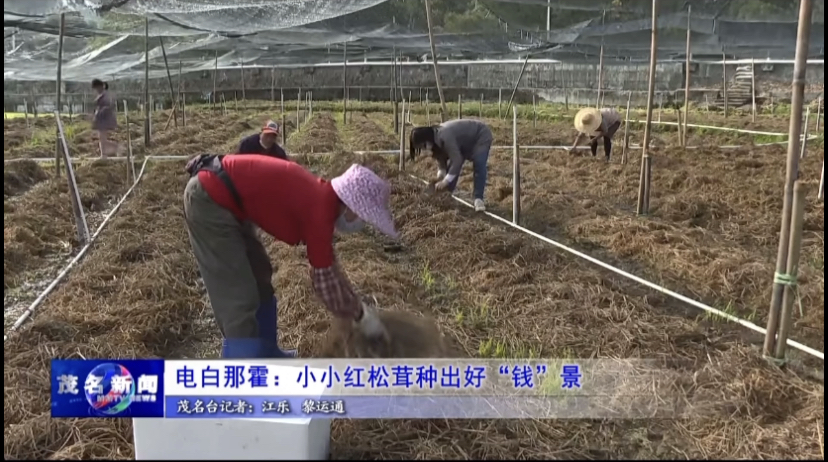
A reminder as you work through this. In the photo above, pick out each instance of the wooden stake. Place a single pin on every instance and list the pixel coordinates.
(183, 109)
(345, 83)
(644, 189)
(443, 109)
(819, 115)
(273, 84)
(298, 110)
(517, 84)
(724, 86)
(601, 65)
(680, 130)
(460, 107)
(821, 195)
(794, 253)
(660, 106)
(26, 112)
(626, 132)
(180, 90)
(515, 170)
(59, 89)
(408, 109)
(500, 103)
(687, 65)
(394, 76)
(169, 79)
(753, 87)
(394, 104)
(147, 134)
(797, 99)
(534, 111)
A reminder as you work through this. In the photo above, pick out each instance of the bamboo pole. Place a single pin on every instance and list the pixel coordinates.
(624, 154)
(534, 111)
(244, 88)
(481, 105)
(646, 166)
(687, 65)
(797, 99)
(443, 109)
(753, 87)
(345, 83)
(408, 109)
(130, 165)
(515, 170)
(660, 106)
(680, 131)
(59, 89)
(459, 107)
(180, 89)
(803, 148)
(821, 195)
(26, 112)
(792, 273)
(284, 118)
(215, 81)
(394, 98)
(500, 103)
(402, 141)
(724, 86)
(77, 207)
(223, 104)
(298, 110)
(819, 115)
(601, 65)
(183, 109)
(517, 83)
(147, 134)
(169, 80)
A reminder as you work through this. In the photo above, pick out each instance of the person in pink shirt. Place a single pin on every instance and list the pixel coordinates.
(596, 125)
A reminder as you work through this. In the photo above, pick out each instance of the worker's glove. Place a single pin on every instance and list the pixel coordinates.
(442, 185)
(441, 174)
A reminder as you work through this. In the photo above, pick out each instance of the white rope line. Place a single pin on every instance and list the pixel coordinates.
(39, 300)
(644, 282)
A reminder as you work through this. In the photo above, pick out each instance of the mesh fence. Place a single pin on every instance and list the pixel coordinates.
(107, 37)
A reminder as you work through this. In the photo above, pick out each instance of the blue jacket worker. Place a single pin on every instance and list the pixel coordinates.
(264, 143)
(451, 144)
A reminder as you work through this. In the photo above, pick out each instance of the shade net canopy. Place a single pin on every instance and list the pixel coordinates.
(106, 38)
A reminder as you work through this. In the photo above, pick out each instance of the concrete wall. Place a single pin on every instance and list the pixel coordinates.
(576, 83)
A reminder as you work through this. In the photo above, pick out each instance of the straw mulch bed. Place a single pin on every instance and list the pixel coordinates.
(494, 293)
(362, 134)
(41, 222)
(319, 135)
(19, 177)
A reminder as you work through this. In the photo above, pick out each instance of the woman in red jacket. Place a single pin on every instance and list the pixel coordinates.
(227, 195)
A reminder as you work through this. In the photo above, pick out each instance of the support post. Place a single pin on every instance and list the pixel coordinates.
(660, 106)
(180, 89)
(459, 107)
(59, 89)
(443, 109)
(402, 141)
(130, 163)
(803, 148)
(821, 195)
(500, 103)
(601, 65)
(688, 63)
(624, 153)
(244, 88)
(345, 83)
(819, 115)
(298, 110)
(183, 109)
(517, 84)
(394, 99)
(753, 88)
(534, 110)
(408, 109)
(515, 170)
(169, 80)
(273, 84)
(724, 86)
(147, 134)
(284, 119)
(646, 165)
(77, 207)
(215, 81)
(481, 105)
(792, 273)
(795, 129)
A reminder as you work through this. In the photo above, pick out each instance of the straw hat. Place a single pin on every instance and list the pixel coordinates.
(588, 120)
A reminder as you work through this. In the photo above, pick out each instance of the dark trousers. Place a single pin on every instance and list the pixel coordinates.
(607, 141)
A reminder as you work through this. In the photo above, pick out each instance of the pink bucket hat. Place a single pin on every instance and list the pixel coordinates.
(368, 196)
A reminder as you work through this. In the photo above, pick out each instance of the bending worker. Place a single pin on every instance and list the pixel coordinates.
(227, 195)
(264, 143)
(451, 144)
(596, 125)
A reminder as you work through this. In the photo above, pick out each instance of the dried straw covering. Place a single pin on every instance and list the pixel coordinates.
(494, 293)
